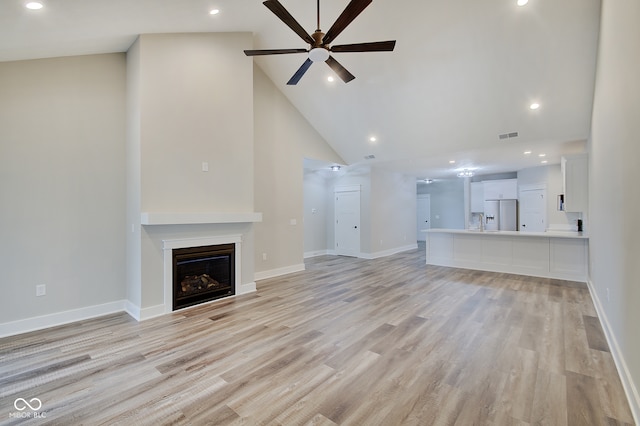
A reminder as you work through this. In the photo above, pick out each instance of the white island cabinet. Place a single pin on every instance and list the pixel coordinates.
(561, 255)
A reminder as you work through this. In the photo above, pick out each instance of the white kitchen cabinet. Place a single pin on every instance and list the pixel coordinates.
(501, 189)
(477, 197)
(575, 183)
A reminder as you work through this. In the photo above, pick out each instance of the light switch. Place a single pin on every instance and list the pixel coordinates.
(293, 222)
(205, 166)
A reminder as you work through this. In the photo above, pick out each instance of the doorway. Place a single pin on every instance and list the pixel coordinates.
(533, 209)
(423, 215)
(347, 216)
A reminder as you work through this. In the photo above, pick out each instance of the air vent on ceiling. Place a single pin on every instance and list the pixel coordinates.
(369, 157)
(508, 135)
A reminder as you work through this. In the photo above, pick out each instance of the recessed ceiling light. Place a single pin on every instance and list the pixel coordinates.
(34, 5)
(330, 79)
(544, 161)
(452, 161)
(214, 11)
(522, 2)
(534, 105)
(335, 168)
(372, 139)
(542, 155)
(527, 152)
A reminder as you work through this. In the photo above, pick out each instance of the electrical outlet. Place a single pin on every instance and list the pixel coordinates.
(41, 290)
(264, 256)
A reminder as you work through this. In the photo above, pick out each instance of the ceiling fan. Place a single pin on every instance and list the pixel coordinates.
(319, 42)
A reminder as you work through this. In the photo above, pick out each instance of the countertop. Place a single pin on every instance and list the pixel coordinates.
(547, 234)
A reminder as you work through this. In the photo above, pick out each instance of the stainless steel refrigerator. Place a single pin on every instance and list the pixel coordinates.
(501, 215)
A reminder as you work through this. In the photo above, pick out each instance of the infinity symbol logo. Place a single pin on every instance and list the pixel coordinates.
(21, 404)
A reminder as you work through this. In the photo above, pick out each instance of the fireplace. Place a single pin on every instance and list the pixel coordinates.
(202, 274)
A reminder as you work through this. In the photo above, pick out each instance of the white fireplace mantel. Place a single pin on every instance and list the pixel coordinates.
(151, 218)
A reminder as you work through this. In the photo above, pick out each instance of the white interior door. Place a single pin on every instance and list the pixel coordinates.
(423, 215)
(347, 223)
(533, 210)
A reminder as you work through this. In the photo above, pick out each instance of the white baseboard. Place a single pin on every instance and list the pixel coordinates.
(141, 314)
(246, 288)
(158, 310)
(151, 312)
(630, 388)
(279, 271)
(60, 318)
(388, 252)
(134, 311)
(315, 253)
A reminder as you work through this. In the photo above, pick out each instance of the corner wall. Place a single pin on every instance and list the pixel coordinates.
(614, 198)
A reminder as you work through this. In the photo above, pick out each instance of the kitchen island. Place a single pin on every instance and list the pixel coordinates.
(561, 255)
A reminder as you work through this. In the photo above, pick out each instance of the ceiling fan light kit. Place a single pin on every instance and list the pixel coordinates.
(318, 54)
(319, 42)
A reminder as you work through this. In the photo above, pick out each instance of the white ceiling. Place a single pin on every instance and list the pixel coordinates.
(463, 72)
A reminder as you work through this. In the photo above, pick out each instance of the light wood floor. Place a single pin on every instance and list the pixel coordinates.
(349, 341)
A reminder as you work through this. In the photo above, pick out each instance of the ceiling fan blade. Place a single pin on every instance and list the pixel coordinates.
(342, 72)
(282, 13)
(298, 75)
(350, 13)
(273, 52)
(376, 46)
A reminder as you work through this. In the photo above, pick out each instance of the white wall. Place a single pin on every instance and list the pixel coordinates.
(283, 138)
(62, 184)
(614, 198)
(196, 106)
(447, 203)
(316, 213)
(393, 211)
(133, 174)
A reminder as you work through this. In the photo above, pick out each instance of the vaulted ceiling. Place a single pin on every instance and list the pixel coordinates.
(462, 73)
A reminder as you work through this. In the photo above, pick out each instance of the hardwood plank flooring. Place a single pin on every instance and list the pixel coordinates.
(390, 341)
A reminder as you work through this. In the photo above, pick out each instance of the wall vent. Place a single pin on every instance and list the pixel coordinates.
(508, 135)
(369, 157)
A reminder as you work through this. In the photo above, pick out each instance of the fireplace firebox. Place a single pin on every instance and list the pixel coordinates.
(202, 274)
